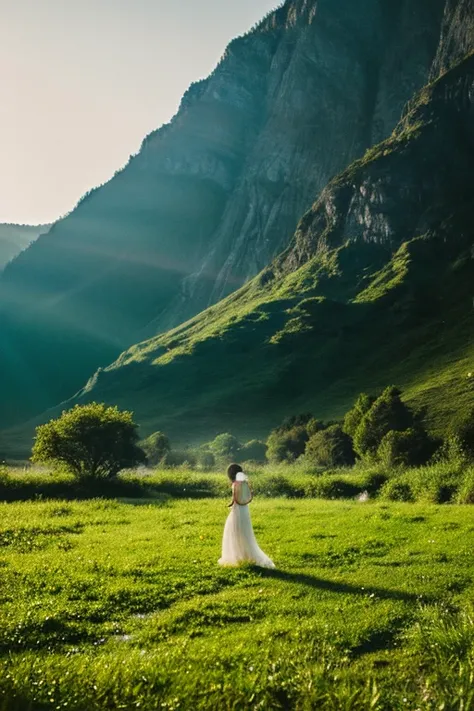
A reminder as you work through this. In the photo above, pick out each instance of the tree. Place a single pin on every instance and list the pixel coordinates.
(331, 447)
(90, 441)
(225, 447)
(254, 451)
(411, 447)
(387, 413)
(463, 430)
(286, 446)
(156, 446)
(315, 425)
(354, 417)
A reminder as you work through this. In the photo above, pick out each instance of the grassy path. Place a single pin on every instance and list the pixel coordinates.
(122, 606)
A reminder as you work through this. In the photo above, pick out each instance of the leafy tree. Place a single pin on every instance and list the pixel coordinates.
(90, 441)
(254, 451)
(225, 447)
(156, 446)
(411, 447)
(286, 446)
(463, 430)
(179, 458)
(315, 425)
(387, 413)
(330, 447)
(294, 421)
(354, 417)
(205, 459)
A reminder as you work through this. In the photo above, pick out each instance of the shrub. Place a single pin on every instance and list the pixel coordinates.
(315, 426)
(330, 448)
(286, 446)
(330, 487)
(397, 489)
(437, 483)
(465, 494)
(373, 481)
(179, 458)
(411, 447)
(387, 413)
(89, 441)
(254, 451)
(205, 459)
(225, 447)
(463, 430)
(155, 447)
(354, 417)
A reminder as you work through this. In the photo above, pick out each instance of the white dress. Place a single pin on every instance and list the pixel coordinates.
(239, 543)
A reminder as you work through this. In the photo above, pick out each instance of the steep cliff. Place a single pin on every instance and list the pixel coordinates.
(376, 286)
(212, 197)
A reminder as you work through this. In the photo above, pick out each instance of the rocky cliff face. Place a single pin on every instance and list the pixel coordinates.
(214, 195)
(375, 287)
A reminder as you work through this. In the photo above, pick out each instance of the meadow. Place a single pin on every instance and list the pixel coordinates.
(120, 604)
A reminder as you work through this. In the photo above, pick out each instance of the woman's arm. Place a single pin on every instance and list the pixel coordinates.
(233, 499)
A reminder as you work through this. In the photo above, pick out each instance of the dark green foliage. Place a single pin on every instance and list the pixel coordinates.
(253, 451)
(463, 429)
(156, 446)
(286, 445)
(397, 490)
(179, 458)
(411, 447)
(330, 448)
(90, 441)
(387, 413)
(354, 417)
(294, 421)
(314, 426)
(225, 447)
(205, 459)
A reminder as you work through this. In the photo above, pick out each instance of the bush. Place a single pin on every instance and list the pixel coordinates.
(254, 451)
(387, 413)
(205, 459)
(156, 446)
(225, 447)
(397, 489)
(89, 441)
(286, 446)
(330, 487)
(354, 417)
(401, 449)
(465, 494)
(463, 430)
(179, 458)
(330, 448)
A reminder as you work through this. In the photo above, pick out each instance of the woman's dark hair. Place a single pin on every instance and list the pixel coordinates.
(233, 470)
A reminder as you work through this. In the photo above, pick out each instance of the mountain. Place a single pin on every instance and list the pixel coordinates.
(15, 238)
(377, 286)
(214, 196)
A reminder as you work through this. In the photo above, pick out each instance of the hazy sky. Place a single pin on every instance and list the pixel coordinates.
(83, 81)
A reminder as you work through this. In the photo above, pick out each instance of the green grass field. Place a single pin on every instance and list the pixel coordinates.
(121, 605)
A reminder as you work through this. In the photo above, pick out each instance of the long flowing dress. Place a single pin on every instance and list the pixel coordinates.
(239, 543)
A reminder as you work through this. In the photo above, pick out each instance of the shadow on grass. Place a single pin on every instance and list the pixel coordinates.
(330, 586)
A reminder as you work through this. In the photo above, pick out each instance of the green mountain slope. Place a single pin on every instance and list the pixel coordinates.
(212, 197)
(15, 238)
(376, 287)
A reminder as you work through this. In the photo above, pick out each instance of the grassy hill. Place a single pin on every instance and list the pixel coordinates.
(114, 605)
(376, 287)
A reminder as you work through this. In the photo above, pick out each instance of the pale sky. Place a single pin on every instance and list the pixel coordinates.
(83, 81)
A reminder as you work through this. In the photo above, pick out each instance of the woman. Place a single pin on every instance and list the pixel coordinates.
(239, 543)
